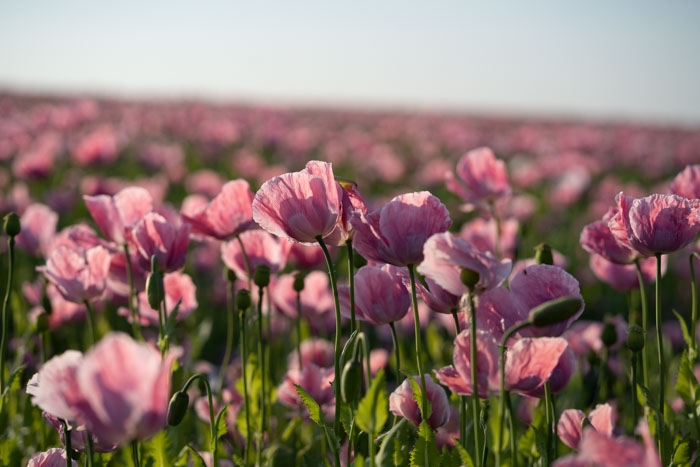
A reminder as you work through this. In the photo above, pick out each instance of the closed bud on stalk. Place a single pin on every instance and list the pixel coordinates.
(609, 334)
(177, 408)
(469, 277)
(243, 300)
(261, 277)
(155, 290)
(635, 338)
(231, 275)
(351, 382)
(554, 311)
(299, 282)
(11, 224)
(543, 254)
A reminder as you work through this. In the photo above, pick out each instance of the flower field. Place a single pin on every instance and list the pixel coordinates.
(189, 283)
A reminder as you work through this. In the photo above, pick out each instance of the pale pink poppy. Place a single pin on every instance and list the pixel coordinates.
(38, 229)
(586, 336)
(657, 224)
(381, 296)
(179, 288)
(227, 215)
(623, 277)
(78, 436)
(117, 214)
(314, 380)
(314, 350)
(38, 161)
(446, 256)
(316, 299)
(484, 234)
(51, 386)
(99, 146)
(479, 179)
(438, 299)
(598, 449)
(124, 389)
(597, 238)
(301, 206)
(155, 236)
(261, 249)
(458, 377)
(402, 403)
(396, 234)
(569, 427)
(54, 457)
(306, 256)
(79, 274)
(687, 182)
(63, 311)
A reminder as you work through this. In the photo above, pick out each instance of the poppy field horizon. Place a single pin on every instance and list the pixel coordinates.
(190, 283)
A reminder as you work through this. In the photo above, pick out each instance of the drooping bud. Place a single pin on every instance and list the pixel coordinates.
(469, 278)
(351, 379)
(543, 254)
(177, 408)
(11, 224)
(243, 300)
(299, 282)
(261, 277)
(609, 334)
(554, 311)
(155, 290)
(635, 338)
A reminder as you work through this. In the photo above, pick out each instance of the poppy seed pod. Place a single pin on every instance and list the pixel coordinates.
(554, 311)
(155, 290)
(609, 334)
(469, 277)
(243, 300)
(635, 338)
(299, 282)
(12, 224)
(177, 408)
(231, 275)
(261, 277)
(543, 254)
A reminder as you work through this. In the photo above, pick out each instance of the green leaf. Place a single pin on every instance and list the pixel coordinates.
(186, 454)
(464, 455)
(684, 328)
(171, 320)
(373, 410)
(425, 452)
(159, 448)
(385, 457)
(687, 384)
(312, 406)
(418, 397)
(683, 452)
(14, 382)
(220, 422)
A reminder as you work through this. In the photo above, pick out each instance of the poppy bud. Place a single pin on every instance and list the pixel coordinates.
(231, 275)
(243, 300)
(609, 334)
(155, 290)
(261, 277)
(543, 254)
(351, 382)
(635, 338)
(177, 408)
(12, 225)
(554, 311)
(299, 282)
(469, 277)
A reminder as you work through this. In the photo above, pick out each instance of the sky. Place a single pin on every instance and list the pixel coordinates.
(622, 59)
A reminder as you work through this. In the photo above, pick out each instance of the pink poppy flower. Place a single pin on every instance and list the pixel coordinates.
(314, 380)
(117, 214)
(597, 238)
(306, 256)
(178, 287)
(623, 277)
(301, 206)
(314, 350)
(261, 248)
(446, 256)
(381, 296)
(78, 436)
(38, 229)
(438, 299)
(124, 389)
(484, 233)
(316, 300)
(100, 146)
(596, 448)
(79, 274)
(54, 457)
(155, 236)
(227, 215)
(586, 336)
(657, 224)
(51, 386)
(480, 178)
(396, 234)
(687, 182)
(403, 404)
(569, 427)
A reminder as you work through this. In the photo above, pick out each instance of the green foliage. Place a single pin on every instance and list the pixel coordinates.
(400, 434)
(159, 450)
(311, 405)
(189, 456)
(687, 384)
(373, 410)
(418, 398)
(424, 452)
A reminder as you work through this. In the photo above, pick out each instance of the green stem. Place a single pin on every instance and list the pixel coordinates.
(212, 420)
(231, 314)
(416, 326)
(397, 350)
(164, 344)
(635, 415)
(549, 412)
(662, 368)
(246, 261)
(645, 323)
(263, 376)
(351, 284)
(5, 315)
(134, 311)
(694, 305)
(511, 426)
(476, 409)
(67, 441)
(298, 326)
(89, 450)
(246, 399)
(336, 384)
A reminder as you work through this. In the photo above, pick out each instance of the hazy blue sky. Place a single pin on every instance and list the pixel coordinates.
(609, 59)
